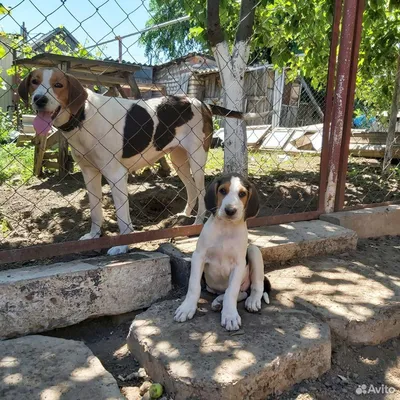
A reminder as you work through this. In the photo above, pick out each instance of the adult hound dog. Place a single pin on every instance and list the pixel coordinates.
(112, 136)
(231, 268)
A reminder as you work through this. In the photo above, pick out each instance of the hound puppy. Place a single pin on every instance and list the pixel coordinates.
(112, 136)
(230, 266)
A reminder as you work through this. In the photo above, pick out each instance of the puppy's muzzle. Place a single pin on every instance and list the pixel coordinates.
(230, 211)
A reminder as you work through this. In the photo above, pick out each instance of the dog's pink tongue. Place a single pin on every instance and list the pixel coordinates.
(43, 122)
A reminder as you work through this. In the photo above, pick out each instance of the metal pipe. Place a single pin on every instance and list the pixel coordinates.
(79, 246)
(340, 100)
(348, 118)
(328, 104)
(151, 28)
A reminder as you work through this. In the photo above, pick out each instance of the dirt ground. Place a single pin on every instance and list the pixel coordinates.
(52, 210)
(352, 366)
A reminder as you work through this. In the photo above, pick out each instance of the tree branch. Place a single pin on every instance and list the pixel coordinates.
(214, 31)
(245, 28)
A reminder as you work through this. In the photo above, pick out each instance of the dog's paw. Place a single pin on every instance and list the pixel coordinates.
(90, 235)
(117, 250)
(253, 303)
(185, 311)
(231, 320)
(216, 305)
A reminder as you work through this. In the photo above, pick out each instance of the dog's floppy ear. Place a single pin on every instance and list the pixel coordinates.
(211, 196)
(77, 94)
(253, 203)
(23, 88)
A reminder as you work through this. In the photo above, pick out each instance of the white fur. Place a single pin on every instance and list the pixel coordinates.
(221, 253)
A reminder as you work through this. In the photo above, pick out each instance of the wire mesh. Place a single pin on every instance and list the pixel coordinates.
(374, 157)
(44, 197)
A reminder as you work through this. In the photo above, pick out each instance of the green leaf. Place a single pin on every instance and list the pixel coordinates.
(4, 10)
(3, 51)
(194, 32)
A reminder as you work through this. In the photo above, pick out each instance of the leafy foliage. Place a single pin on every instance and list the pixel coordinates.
(293, 34)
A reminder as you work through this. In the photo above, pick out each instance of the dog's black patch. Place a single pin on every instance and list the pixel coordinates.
(138, 131)
(174, 111)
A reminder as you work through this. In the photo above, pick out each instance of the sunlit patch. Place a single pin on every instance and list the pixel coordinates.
(369, 361)
(9, 362)
(122, 352)
(310, 331)
(13, 379)
(165, 347)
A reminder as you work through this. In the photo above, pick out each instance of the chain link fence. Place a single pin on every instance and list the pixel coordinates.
(371, 180)
(43, 197)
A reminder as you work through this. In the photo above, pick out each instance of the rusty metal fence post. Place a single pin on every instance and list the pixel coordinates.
(339, 129)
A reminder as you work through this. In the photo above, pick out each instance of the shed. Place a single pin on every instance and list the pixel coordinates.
(197, 75)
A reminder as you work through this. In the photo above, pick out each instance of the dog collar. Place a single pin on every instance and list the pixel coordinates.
(74, 121)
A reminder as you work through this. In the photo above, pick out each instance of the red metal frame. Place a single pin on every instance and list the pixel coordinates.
(344, 154)
(340, 101)
(328, 104)
(60, 249)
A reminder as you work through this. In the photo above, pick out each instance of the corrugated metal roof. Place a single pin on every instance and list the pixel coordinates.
(183, 58)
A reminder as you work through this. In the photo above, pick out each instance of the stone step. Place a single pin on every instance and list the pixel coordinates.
(359, 302)
(277, 243)
(41, 298)
(41, 367)
(369, 222)
(199, 359)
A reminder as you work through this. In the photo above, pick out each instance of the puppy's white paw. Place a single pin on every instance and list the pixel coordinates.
(117, 250)
(231, 320)
(185, 311)
(253, 302)
(90, 235)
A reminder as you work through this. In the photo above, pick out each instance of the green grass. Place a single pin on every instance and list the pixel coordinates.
(263, 162)
(16, 163)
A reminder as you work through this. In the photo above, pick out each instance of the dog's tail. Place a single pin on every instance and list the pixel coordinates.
(224, 112)
(267, 290)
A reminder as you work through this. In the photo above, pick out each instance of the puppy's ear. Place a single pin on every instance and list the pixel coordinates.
(211, 197)
(77, 94)
(23, 88)
(253, 203)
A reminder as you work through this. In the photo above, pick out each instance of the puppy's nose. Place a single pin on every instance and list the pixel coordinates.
(229, 210)
(40, 100)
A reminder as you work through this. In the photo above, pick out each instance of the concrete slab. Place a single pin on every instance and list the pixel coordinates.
(199, 359)
(277, 243)
(368, 222)
(360, 303)
(47, 368)
(42, 298)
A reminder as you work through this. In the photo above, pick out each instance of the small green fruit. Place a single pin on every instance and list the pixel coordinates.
(156, 390)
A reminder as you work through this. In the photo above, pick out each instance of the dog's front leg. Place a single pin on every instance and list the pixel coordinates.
(188, 308)
(230, 318)
(92, 177)
(119, 190)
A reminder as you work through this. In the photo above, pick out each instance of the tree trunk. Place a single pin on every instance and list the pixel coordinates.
(390, 140)
(232, 69)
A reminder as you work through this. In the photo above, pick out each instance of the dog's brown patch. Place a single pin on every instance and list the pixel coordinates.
(62, 93)
(222, 191)
(207, 126)
(244, 195)
(29, 84)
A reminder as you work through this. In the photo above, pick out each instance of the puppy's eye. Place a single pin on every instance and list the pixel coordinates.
(223, 191)
(58, 85)
(34, 82)
(242, 194)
